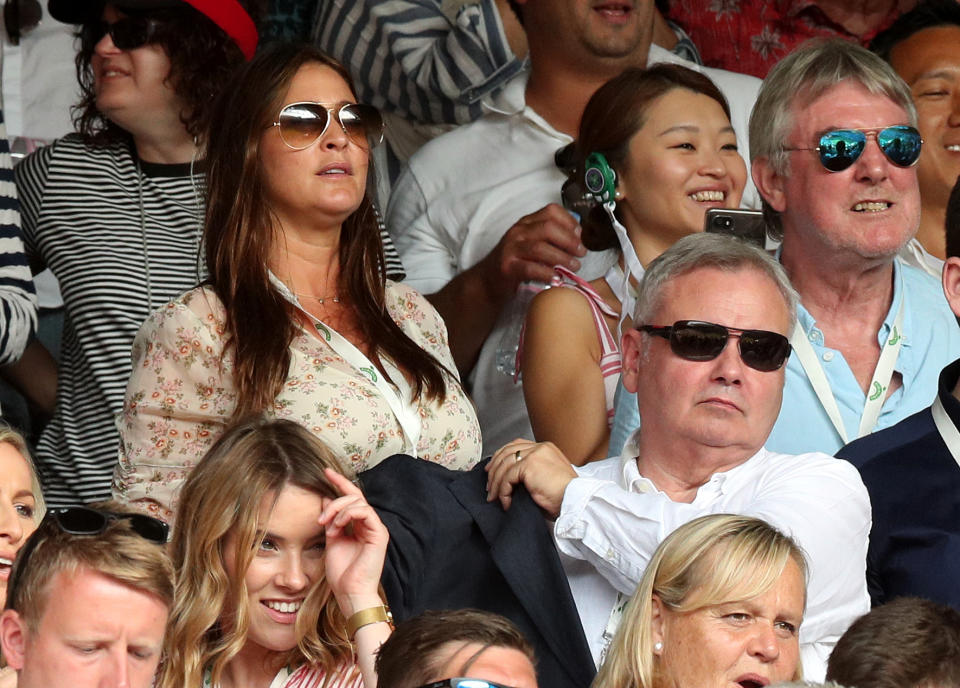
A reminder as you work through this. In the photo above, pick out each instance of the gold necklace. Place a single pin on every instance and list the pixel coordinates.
(319, 299)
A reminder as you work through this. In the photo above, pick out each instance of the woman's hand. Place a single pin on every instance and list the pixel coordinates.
(355, 549)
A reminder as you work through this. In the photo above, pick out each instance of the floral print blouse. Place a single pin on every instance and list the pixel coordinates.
(180, 397)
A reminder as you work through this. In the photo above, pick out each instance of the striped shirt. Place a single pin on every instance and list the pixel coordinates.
(408, 57)
(110, 240)
(18, 301)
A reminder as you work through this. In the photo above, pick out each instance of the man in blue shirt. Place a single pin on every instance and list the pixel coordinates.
(833, 146)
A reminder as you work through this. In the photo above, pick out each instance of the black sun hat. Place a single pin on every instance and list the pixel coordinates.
(229, 15)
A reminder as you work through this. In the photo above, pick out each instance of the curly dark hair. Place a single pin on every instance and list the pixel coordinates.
(201, 55)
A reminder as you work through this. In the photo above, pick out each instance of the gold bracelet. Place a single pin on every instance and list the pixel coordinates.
(365, 617)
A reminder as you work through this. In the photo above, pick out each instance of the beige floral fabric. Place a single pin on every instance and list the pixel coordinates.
(181, 394)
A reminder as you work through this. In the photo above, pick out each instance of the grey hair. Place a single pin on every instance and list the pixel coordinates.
(802, 77)
(704, 250)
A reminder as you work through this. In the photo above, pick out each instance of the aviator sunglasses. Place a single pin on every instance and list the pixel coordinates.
(302, 124)
(83, 520)
(703, 341)
(840, 148)
(127, 33)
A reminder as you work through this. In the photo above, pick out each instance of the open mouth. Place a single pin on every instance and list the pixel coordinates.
(614, 10)
(953, 147)
(711, 196)
(283, 607)
(871, 206)
(5, 567)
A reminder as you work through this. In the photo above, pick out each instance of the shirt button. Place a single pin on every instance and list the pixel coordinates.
(828, 356)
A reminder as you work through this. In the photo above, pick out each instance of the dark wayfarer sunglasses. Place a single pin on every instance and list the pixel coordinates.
(694, 340)
(83, 520)
(302, 124)
(841, 148)
(127, 33)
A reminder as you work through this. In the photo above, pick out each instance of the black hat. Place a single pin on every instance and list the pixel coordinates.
(81, 11)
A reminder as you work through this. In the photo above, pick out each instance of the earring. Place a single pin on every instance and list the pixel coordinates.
(657, 646)
(617, 195)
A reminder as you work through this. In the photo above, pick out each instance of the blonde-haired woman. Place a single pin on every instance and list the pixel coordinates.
(21, 510)
(720, 604)
(278, 561)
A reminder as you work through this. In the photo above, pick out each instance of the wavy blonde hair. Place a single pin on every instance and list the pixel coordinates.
(10, 436)
(711, 560)
(221, 497)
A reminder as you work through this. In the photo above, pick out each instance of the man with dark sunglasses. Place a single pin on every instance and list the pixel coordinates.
(834, 148)
(707, 363)
(88, 600)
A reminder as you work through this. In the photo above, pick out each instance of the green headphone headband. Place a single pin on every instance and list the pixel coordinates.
(599, 179)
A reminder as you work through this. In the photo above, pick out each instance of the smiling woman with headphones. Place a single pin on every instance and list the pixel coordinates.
(655, 150)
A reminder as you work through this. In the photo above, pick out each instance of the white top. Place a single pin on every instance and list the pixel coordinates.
(916, 255)
(461, 193)
(612, 519)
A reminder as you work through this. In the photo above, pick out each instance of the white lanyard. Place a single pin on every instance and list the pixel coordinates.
(613, 622)
(631, 266)
(876, 393)
(948, 431)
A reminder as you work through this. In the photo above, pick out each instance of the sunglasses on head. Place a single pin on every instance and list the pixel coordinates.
(840, 148)
(127, 33)
(302, 124)
(461, 682)
(83, 520)
(702, 341)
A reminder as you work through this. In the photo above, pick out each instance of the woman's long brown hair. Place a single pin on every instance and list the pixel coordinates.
(240, 231)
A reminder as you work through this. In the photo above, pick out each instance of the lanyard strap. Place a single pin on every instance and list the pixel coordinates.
(948, 431)
(877, 392)
(613, 622)
(632, 267)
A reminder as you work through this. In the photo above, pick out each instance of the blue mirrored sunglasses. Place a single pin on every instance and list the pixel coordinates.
(841, 148)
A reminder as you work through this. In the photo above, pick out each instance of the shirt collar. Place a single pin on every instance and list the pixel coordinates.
(631, 480)
(808, 323)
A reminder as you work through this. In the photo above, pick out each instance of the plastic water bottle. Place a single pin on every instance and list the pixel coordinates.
(514, 320)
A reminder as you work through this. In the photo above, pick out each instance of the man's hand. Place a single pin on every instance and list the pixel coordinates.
(540, 466)
(530, 249)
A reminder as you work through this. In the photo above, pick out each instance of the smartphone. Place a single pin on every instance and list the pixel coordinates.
(743, 224)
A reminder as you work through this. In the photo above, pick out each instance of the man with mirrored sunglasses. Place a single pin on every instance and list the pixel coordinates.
(707, 364)
(834, 148)
(88, 600)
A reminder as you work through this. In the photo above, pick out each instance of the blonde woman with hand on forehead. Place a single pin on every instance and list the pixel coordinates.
(278, 559)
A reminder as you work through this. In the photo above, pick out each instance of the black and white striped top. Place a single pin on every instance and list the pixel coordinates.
(82, 216)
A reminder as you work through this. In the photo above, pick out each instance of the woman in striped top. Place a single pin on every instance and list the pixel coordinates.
(657, 149)
(297, 319)
(115, 210)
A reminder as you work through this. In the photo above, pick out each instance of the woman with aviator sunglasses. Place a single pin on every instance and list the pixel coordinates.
(115, 210)
(297, 319)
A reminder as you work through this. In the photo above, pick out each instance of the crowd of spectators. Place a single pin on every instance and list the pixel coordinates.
(659, 386)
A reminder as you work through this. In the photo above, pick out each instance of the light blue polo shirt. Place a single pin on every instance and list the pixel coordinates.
(931, 341)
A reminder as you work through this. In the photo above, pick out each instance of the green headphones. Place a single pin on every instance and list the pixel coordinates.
(599, 178)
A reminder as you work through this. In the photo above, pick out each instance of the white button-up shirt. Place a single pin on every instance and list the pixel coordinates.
(612, 519)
